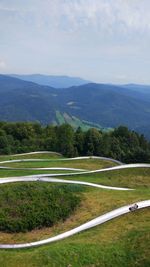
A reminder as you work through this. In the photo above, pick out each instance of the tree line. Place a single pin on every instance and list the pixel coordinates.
(121, 143)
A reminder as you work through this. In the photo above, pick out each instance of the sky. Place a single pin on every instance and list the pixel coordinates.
(99, 40)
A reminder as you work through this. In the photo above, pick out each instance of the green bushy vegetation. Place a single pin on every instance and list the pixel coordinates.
(121, 144)
(24, 207)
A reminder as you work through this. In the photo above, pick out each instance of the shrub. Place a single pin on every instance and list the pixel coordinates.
(27, 206)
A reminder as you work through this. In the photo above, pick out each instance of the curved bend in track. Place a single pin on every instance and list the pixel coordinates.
(97, 221)
(37, 152)
(67, 159)
(77, 171)
(34, 178)
(51, 160)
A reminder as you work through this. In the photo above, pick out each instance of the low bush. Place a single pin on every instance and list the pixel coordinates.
(27, 206)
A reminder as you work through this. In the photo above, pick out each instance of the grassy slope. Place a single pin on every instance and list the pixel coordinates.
(94, 203)
(125, 241)
(76, 122)
(33, 156)
(122, 242)
(89, 164)
(73, 121)
(132, 178)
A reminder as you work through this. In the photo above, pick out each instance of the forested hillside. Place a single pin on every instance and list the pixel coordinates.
(106, 105)
(121, 144)
(52, 80)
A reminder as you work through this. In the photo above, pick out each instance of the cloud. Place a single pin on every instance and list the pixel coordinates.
(2, 65)
(76, 37)
(7, 9)
(73, 15)
(105, 15)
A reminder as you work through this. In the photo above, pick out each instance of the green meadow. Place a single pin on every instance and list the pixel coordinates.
(124, 241)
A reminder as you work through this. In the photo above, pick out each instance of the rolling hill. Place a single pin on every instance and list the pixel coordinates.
(51, 80)
(106, 105)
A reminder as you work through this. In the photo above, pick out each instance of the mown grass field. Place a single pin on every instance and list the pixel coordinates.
(124, 241)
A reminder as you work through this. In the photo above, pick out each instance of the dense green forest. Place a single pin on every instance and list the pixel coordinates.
(121, 143)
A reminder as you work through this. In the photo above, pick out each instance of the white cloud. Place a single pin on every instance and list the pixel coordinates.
(71, 15)
(2, 65)
(7, 9)
(100, 14)
(76, 37)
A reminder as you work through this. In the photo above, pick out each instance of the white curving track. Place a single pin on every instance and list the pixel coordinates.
(44, 178)
(80, 171)
(59, 159)
(34, 178)
(37, 152)
(67, 159)
(44, 169)
(97, 221)
(51, 160)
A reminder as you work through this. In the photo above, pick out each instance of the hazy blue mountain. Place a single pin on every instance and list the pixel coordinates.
(138, 87)
(51, 80)
(106, 105)
(138, 90)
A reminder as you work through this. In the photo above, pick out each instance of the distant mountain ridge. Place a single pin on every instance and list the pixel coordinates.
(51, 80)
(103, 104)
